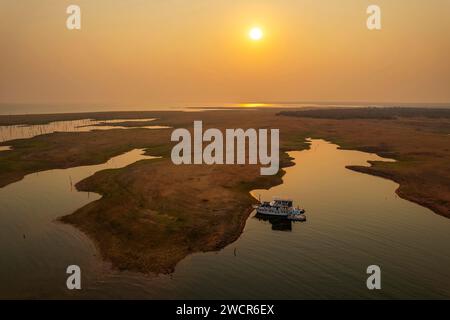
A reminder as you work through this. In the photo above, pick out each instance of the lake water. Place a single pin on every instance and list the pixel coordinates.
(36, 249)
(354, 220)
(14, 109)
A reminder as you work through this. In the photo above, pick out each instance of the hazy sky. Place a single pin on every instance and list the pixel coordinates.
(134, 52)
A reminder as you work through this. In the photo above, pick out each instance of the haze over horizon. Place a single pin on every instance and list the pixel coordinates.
(176, 52)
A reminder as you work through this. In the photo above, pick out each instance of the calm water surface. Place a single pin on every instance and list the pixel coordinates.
(35, 248)
(13, 109)
(354, 220)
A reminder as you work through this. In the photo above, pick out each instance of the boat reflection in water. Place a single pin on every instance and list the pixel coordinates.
(278, 223)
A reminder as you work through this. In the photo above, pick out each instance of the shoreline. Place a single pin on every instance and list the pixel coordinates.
(439, 210)
(214, 241)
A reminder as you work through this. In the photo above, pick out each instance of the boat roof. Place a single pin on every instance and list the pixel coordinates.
(282, 199)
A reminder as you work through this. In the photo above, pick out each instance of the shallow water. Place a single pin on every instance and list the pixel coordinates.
(36, 249)
(354, 220)
(13, 132)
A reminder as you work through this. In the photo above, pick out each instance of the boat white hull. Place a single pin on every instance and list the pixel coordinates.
(297, 217)
(271, 212)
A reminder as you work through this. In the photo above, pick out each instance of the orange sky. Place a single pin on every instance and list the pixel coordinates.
(166, 52)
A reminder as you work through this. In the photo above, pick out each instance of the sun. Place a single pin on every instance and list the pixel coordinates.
(256, 34)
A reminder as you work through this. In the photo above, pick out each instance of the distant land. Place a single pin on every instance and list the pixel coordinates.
(371, 113)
